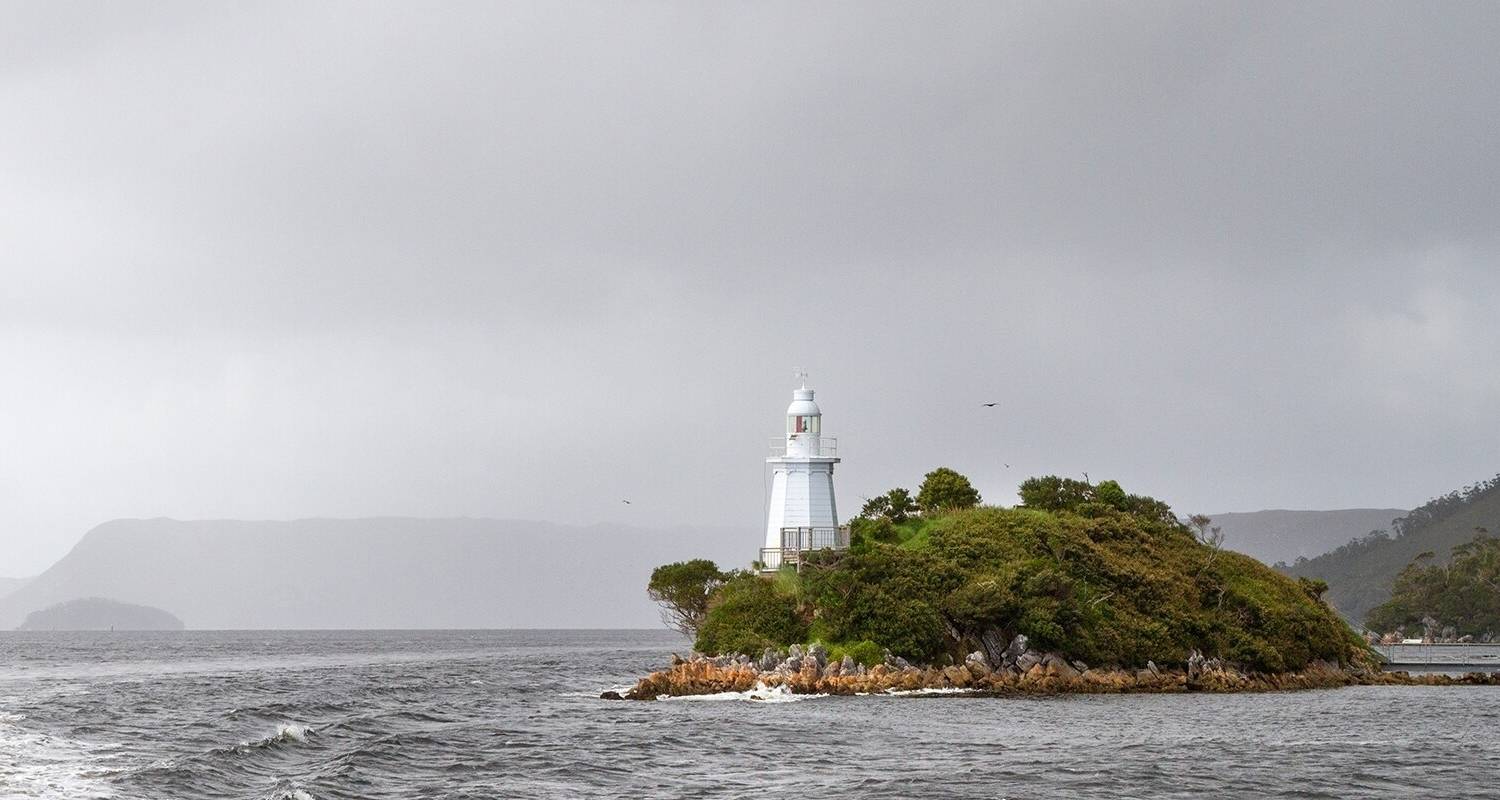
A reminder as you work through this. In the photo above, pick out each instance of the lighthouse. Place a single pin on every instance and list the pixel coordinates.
(801, 514)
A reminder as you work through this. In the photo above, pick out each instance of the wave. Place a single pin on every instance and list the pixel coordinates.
(286, 733)
(289, 790)
(38, 765)
(760, 694)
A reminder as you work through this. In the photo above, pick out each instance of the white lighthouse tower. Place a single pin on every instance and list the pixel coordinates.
(802, 515)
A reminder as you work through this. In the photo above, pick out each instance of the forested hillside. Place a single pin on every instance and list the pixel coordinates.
(1361, 573)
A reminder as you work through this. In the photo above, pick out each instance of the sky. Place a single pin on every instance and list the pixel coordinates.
(528, 260)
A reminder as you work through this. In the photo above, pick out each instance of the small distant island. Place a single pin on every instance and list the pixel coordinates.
(1081, 587)
(100, 614)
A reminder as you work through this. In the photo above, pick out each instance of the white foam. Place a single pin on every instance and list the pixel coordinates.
(760, 694)
(38, 765)
(292, 732)
(910, 692)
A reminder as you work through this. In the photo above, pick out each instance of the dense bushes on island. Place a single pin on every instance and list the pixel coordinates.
(1085, 570)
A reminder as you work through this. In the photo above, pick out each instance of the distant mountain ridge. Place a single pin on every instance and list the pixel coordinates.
(1281, 535)
(1360, 573)
(8, 585)
(376, 573)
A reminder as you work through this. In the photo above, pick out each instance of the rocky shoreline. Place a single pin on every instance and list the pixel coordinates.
(1020, 670)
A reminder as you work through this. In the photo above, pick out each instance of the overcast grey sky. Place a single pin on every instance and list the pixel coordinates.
(525, 260)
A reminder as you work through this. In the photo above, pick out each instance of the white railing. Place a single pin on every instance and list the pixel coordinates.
(796, 541)
(824, 446)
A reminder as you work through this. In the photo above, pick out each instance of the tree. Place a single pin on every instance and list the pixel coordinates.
(945, 490)
(683, 590)
(895, 505)
(1464, 593)
(1110, 493)
(876, 507)
(1205, 531)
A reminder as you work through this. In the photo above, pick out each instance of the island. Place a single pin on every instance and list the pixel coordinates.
(100, 614)
(1081, 587)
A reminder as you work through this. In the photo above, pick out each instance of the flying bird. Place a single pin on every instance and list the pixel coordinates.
(626, 502)
(989, 405)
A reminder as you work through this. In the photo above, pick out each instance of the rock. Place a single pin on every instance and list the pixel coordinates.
(896, 662)
(1014, 652)
(977, 665)
(1195, 665)
(768, 660)
(819, 654)
(957, 677)
(795, 651)
(1055, 664)
(676, 659)
(1025, 661)
(1152, 668)
(611, 695)
(848, 666)
(794, 664)
(992, 642)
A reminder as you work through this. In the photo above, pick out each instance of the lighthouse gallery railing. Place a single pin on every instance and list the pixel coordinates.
(796, 541)
(826, 446)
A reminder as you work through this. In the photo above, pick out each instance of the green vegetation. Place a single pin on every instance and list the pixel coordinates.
(683, 590)
(945, 490)
(749, 614)
(1464, 593)
(896, 505)
(1087, 570)
(1362, 573)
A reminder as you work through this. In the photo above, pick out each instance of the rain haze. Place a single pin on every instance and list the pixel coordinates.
(525, 261)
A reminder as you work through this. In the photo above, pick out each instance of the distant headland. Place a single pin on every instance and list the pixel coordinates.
(100, 614)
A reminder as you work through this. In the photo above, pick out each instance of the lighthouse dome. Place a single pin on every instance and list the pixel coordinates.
(803, 405)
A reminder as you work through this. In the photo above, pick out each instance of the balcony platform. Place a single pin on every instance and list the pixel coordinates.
(796, 542)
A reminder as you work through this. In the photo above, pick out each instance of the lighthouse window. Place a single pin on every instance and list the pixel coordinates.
(804, 424)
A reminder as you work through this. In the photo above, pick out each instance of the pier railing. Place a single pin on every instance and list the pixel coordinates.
(1438, 654)
(797, 541)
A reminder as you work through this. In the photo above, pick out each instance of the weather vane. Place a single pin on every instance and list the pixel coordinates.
(801, 375)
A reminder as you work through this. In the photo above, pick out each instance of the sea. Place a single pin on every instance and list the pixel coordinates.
(300, 715)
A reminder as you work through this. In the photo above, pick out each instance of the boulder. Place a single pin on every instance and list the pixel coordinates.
(819, 654)
(1056, 665)
(977, 665)
(1012, 654)
(992, 642)
(1195, 665)
(1025, 661)
(768, 660)
(611, 695)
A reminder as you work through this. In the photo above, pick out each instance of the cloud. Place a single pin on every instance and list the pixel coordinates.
(521, 260)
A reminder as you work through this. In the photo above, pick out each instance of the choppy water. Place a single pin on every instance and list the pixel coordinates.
(515, 714)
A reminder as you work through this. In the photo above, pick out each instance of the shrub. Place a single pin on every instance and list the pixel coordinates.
(746, 615)
(945, 490)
